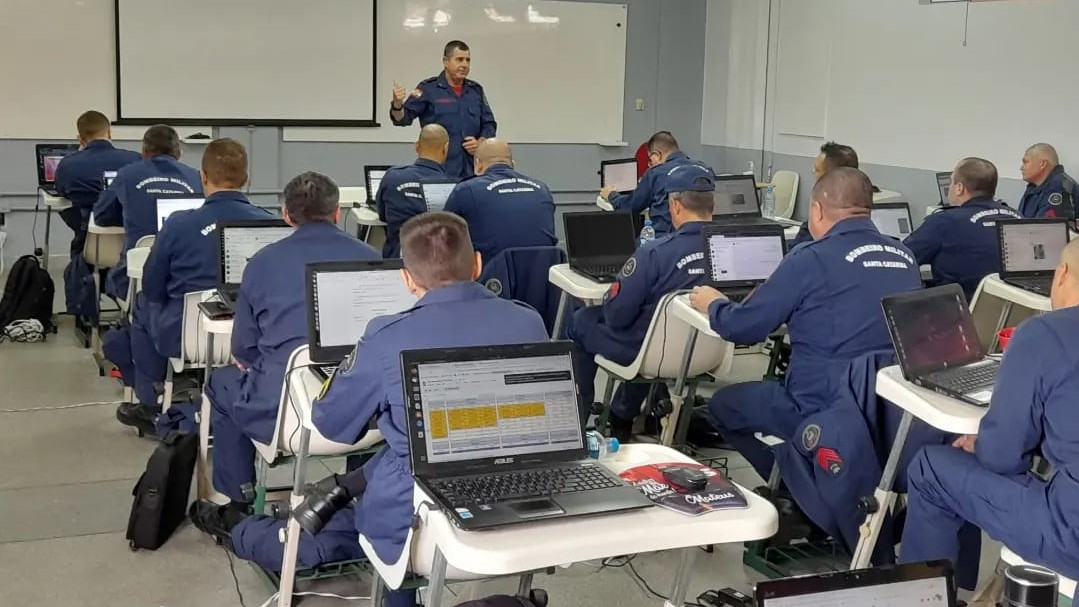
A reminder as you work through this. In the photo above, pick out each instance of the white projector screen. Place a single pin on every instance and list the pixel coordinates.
(246, 62)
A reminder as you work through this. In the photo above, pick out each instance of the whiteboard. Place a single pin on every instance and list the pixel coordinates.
(517, 45)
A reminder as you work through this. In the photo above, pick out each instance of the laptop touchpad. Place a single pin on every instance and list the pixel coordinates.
(536, 508)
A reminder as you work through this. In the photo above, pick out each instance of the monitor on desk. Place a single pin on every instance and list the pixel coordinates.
(49, 156)
(736, 197)
(343, 296)
(436, 192)
(944, 184)
(239, 241)
(168, 206)
(892, 219)
(619, 174)
(372, 179)
(742, 255)
(919, 584)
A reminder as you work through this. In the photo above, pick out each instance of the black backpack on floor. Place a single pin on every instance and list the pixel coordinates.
(535, 598)
(162, 491)
(28, 294)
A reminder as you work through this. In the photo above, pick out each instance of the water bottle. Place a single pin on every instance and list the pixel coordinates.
(768, 207)
(600, 446)
(752, 169)
(647, 232)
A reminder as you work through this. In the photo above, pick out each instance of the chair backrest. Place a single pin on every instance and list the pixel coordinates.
(192, 343)
(146, 241)
(785, 185)
(103, 250)
(665, 344)
(353, 194)
(521, 273)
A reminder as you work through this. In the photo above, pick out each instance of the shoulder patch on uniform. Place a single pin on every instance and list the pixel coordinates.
(494, 285)
(612, 292)
(1056, 199)
(630, 267)
(811, 437)
(830, 461)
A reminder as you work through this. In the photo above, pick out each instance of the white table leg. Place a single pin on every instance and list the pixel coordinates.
(437, 581)
(677, 396)
(560, 317)
(884, 496)
(48, 231)
(525, 586)
(293, 532)
(682, 576)
(203, 462)
(1005, 313)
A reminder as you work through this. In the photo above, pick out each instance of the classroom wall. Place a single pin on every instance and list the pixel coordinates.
(665, 61)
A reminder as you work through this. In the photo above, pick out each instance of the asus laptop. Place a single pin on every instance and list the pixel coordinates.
(167, 206)
(342, 297)
(741, 257)
(436, 192)
(238, 242)
(598, 243)
(620, 174)
(49, 156)
(929, 584)
(372, 180)
(498, 437)
(892, 219)
(1030, 250)
(937, 345)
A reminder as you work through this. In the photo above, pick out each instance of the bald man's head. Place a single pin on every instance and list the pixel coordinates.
(1039, 160)
(841, 193)
(1065, 293)
(434, 143)
(491, 152)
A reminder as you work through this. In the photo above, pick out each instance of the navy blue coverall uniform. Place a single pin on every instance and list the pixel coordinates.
(131, 203)
(651, 193)
(400, 198)
(1032, 411)
(504, 210)
(184, 259)
(960, 242)
(1054, 198)
(828, 294)
(80, 178)
(464, 115)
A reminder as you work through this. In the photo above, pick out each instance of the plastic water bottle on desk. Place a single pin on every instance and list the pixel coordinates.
(768, 206)
(600, 446)
(648, 232)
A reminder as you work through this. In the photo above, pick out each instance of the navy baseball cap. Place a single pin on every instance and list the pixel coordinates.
(690, 178)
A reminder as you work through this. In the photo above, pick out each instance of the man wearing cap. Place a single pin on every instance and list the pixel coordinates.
(670, 263)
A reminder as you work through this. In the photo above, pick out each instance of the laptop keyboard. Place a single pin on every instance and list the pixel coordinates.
(1040, 286)
(607, 271)
(488, 489)
(962, 380)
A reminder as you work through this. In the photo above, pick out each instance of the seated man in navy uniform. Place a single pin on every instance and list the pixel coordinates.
(270, 323)
(985, 480)
(453, 311)
(131, 201)
(671, 263)
(1050, 191)
(960, 241)
(828, 294)
(504, 209)
(399, 196)
(80, 177)
(651, 192)
(184, 259)
(455, 102)
(832, 156)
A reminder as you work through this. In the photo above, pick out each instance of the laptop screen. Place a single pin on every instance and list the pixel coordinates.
(923, 585)
(373, 179)
(107, 178)
(1032, 246)
(932, 330)
(892, 219)
(48, 158)
(743, 259)
(619, 174)
(345, 296)
(736, 195)
(168, 206)
(240, 243)
(944, 183)
(599, 235)
(437, 193)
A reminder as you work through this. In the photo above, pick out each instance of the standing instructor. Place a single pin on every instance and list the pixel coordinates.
(453, 101)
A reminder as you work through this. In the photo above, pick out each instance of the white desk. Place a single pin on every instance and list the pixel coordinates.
(576, 285)
(367, 221)
(136, 259)
(937, 410)
(212, 328)
(352, 196)
(603, 204)
(997, 293)
(441, 551)
(52, 203)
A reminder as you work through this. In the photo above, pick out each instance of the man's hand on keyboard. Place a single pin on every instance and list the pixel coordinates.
(966, 442)
(702, 297)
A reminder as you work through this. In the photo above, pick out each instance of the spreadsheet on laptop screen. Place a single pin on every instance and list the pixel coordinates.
(1028, 247)
(345, 302)
(931, 592)
(744, 258)
(500, 407)
(242, 243)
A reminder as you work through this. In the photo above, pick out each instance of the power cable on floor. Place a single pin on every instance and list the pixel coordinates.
(63, 407)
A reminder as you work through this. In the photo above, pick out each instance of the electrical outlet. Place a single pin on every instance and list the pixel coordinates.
(640, 105)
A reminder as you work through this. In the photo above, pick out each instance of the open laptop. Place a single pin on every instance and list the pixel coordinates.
(498, 437)
(238, 241)
(620, 174)
(436, 192)
(342, 297)
(107, 178)
(1030, 250)
(741, 257)
(929, 584)
(372, 179)
(49, 156)
(944, 183)
(737, 201)
(168, 206)
(598, 243)
(937, 344)
(892, 219)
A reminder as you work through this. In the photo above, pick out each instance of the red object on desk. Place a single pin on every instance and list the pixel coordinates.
(1004, 337)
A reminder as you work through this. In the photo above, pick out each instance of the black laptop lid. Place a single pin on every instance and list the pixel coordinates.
(1030, 247)
(344, 296)
(237, 243)
(892, 219)
(912, 585)
(742, 256)
(620, 174)
(736, 197)
(49, 156)
(482, 408)
(932, 330)
(372, 179)
(599, 237)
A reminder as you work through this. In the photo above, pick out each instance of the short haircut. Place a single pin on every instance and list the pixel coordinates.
(161, 139)
(437, 249)
(311, 197)
(1046, 151)
(845, 188)
(977, 175)
(453, 45)
(663, 141)
(92, 124)
(838, 155)
(225, 163)
(699, 203)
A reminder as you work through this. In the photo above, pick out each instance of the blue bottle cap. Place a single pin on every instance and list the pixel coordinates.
(613, 445)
